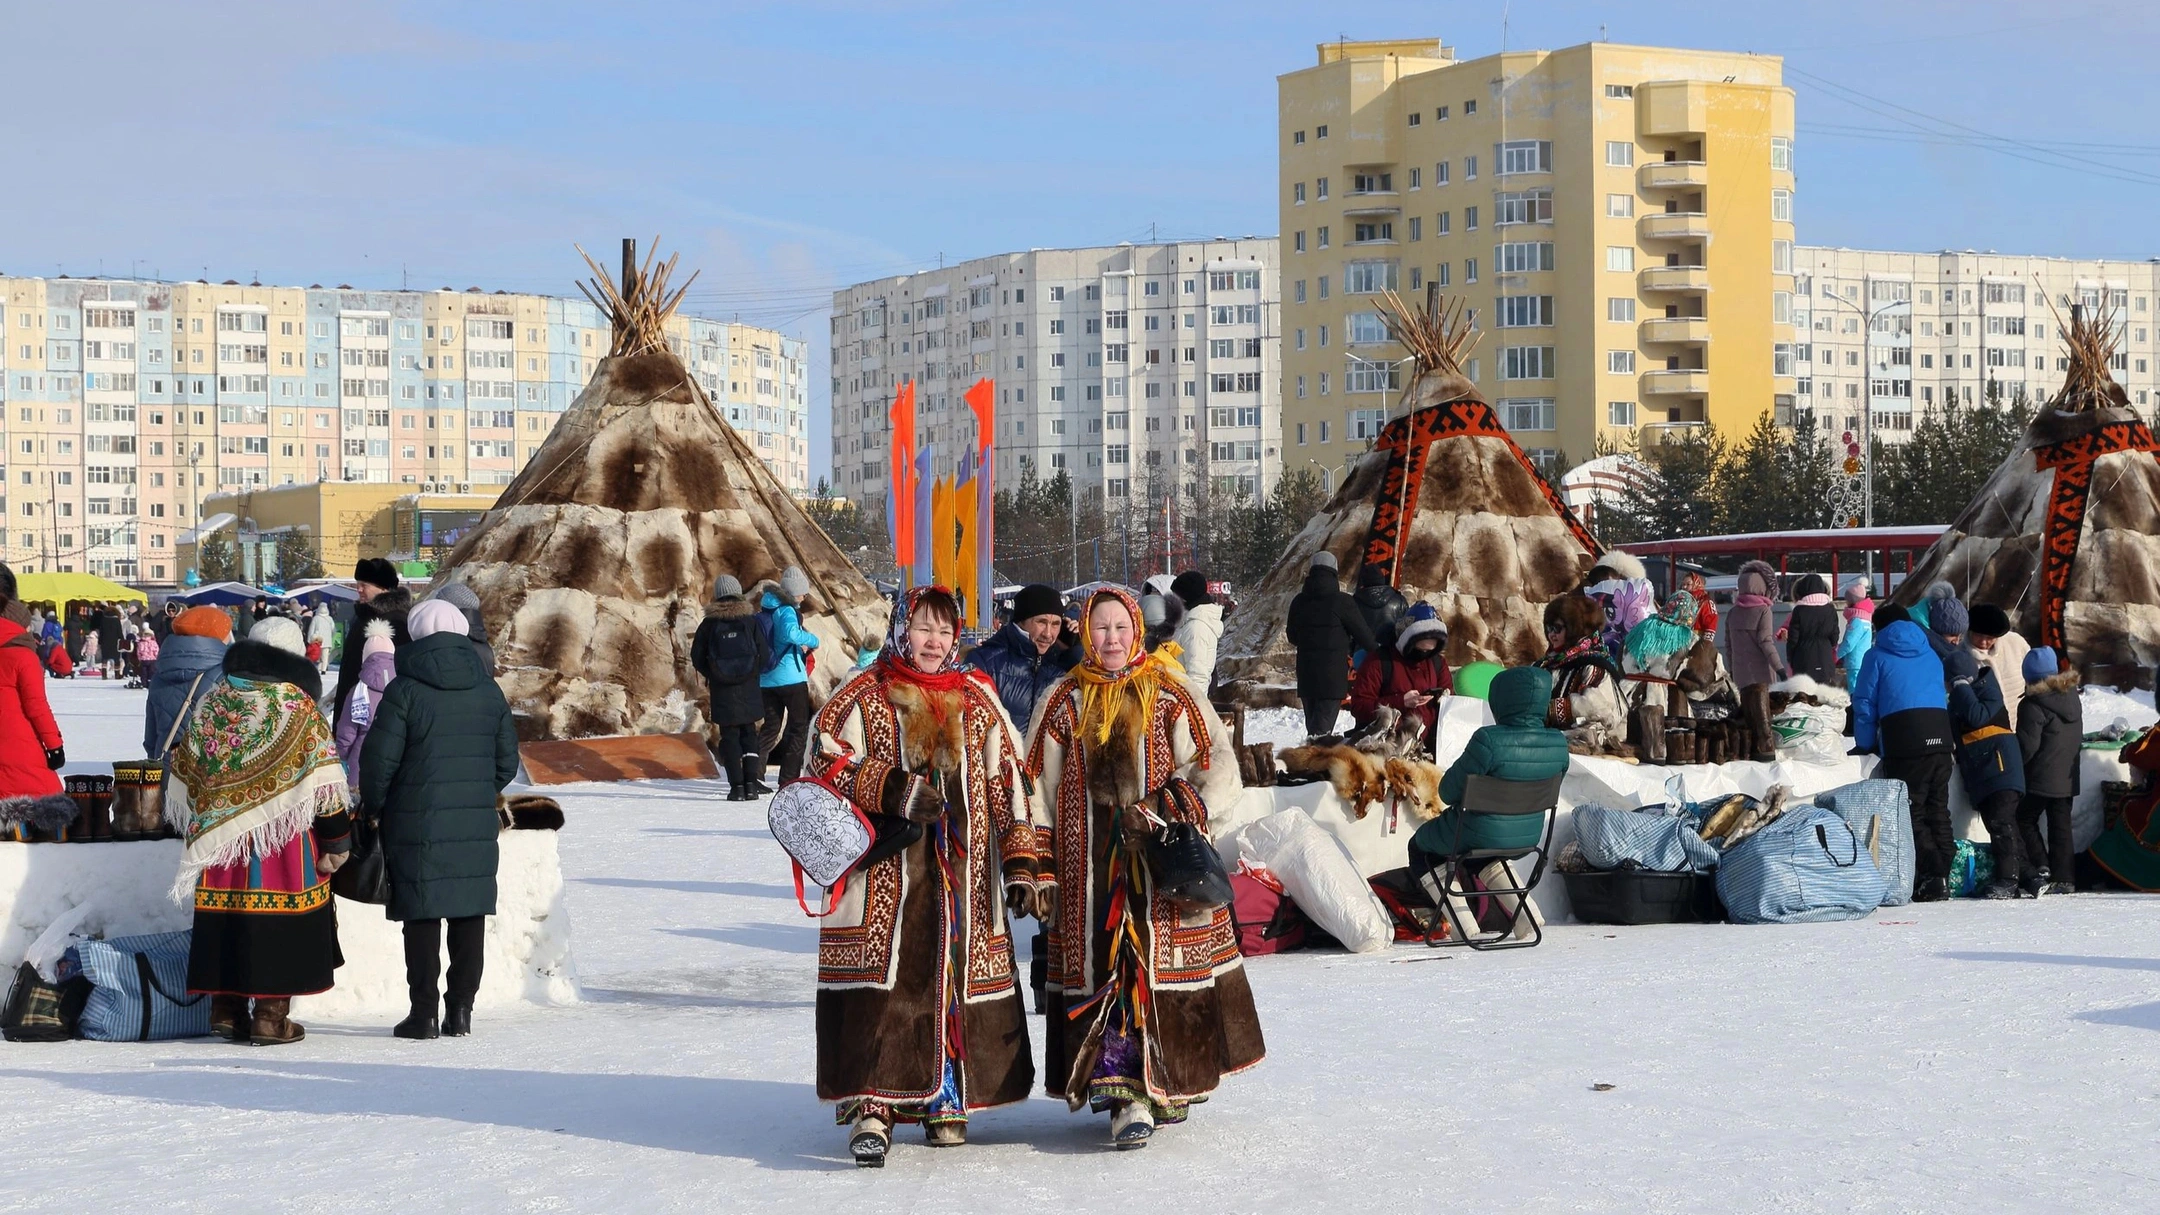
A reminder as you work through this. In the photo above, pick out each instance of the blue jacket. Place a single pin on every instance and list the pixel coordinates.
(1852, 651)
(1021, 674)
(790, 639)
(1900, 708)
(1988, 753)
(180, 660)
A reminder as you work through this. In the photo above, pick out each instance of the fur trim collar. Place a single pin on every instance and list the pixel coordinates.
(931, 738)
(268, 664)
(1806, 687)
(1624, 565)
(734, 607)
(2060, 681)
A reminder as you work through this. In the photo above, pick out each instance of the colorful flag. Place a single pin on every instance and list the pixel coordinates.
(899, 479)
(965, 526)
(943, 566)
(924, 483)
(982, 398)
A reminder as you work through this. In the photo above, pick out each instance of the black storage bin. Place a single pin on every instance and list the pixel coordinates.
(1642, 896)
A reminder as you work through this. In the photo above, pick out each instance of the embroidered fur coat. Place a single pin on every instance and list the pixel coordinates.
(1201, 1024)
(885, 955)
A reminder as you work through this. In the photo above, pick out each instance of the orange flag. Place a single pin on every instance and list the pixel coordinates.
(982, 398)
(900, 476)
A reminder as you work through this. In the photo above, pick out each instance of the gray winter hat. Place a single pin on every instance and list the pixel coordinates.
(1153, 611)
(1325, 560)
(459, 596)
(794, 583)
(726, 587)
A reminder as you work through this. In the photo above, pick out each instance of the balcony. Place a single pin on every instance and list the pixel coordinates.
(1672, 174)
(1655, 433)
(1674, 225)
(1674, 278)
(1689, 382)
(1693, 330)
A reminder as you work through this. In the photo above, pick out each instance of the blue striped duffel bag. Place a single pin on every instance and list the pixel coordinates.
(1807, 866)
(1653, 839)
(1886, 806)
(138, 990)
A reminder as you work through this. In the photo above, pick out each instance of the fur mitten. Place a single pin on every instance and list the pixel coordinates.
(1019, 897)
(911, 797)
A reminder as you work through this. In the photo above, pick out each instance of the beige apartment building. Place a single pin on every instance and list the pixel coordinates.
(125, 404)
(1617, 219)
(1894, 335)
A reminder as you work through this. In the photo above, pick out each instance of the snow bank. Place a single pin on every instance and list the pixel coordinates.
(2104, 706)
(528, 938)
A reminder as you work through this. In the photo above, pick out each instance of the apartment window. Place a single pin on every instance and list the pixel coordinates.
(1619, 413)
(1780, 153)
(1372, 183)
(1301, 428)
(1469, 219)
(1298, 290)
(1323, 294)
(1323, 235)
(1536, 413)
(1781, 205)
(1525, 311)
(1469, 270)
(1522, 257)
(1301, 396)
(1620, 308)
(1297, 137)
(1320, 188)
(1618, 91)
(1781, 359)
(1619, 153)
(1366, 423)
(1525, 156)
(1469, 108)
(1442, 223)
(1526, 363)
(1297, 245)
(1781, 257)
(1441, 274)
(1417, 227)
(1297, 194)
(1620, 362)
(1414, 178)
(1380, 230)
(1367, 278)
(1440, 115)
(1323, 392)
(1416, 117)
(1519, 207)
(1440, 173)
(1323, 425)
(1320, 132)
(1781, 307)
(1621, 258)
(1469, 163)
(1620, 206)
(1323, 337)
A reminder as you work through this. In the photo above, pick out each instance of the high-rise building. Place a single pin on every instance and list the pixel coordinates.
(1617, 220)
(1135, 369)
(1897, 334)
(125, 403)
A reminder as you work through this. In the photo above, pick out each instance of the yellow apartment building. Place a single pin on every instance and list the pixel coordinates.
(1618, 219)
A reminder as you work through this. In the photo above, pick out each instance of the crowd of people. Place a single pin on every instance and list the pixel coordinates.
(1938, 688)
(271, 782)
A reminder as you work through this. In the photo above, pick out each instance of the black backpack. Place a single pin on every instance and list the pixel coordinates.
(736, 652)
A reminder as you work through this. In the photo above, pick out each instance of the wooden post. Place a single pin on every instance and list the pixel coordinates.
(629, 266)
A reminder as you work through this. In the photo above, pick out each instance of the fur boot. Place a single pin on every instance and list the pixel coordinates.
(272, 1026)
(1755, 703)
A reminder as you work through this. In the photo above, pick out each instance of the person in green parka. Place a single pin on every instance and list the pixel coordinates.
(441, 747)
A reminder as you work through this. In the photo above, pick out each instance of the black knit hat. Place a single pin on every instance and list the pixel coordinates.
(1987, 620)
(1191, 589)
(1037, 600)
(377, 571)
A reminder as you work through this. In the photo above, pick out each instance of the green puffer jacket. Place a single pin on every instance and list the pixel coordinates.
(441, 747)
(1520, 746)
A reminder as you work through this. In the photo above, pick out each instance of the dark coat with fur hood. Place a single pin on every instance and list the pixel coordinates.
(2051, 735)
(730, 623)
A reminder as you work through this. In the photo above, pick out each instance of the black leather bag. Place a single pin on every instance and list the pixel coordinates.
(363, 878)
(1187, 868)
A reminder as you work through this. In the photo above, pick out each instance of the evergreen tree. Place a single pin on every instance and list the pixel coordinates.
(1680, 498)
(1932, 476)
(216, 560)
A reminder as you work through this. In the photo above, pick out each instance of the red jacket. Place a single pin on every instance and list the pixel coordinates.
(1385, 675)
(27, 728)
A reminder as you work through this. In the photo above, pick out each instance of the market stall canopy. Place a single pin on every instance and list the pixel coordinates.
(60, 588)
(221, 594)
(321, 592)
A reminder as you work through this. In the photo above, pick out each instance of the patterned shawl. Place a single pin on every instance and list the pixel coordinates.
(254, 769)
(1141, 679)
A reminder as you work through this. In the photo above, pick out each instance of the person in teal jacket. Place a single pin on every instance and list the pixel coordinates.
(786, 680)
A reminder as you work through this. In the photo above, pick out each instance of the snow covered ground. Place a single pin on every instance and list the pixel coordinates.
(1944, 1058)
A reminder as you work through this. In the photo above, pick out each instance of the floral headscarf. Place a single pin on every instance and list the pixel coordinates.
(1101, 690)
(899, 651)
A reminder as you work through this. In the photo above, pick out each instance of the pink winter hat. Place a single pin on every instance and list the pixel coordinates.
(435, 616)
(379, 639)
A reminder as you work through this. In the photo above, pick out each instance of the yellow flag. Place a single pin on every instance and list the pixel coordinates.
(964, 518)
(943, 567)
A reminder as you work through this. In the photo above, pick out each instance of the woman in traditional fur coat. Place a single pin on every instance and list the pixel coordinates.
(1143, 1017)
(918, 1011)
(1586, 702)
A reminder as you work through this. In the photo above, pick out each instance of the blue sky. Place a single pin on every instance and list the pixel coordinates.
(789, 148)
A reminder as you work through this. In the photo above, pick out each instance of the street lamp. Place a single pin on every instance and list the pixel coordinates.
(1328, 472)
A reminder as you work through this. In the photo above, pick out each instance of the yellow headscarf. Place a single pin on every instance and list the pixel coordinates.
(1139, 683)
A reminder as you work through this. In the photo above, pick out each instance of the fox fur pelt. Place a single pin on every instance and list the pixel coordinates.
(1415, 786)
(1360, 779)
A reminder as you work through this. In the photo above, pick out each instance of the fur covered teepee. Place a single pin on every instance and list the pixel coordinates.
(2065, 537)
(1446, 503)
(594, 567)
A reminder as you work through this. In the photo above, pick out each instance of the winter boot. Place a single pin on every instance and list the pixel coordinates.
(1755, 702)
(419, 1025)
(946, 1133)
(2034, 883)
(1131, 1126)
(228, 1017)
(272, 1026)
(457, 1020)
(868, 1141)
(1930, 890)
(2001, 888)
(754, 774)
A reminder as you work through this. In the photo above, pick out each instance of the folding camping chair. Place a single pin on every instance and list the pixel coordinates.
(1499, 823)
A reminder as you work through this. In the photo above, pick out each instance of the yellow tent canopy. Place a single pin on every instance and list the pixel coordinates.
(60, 588)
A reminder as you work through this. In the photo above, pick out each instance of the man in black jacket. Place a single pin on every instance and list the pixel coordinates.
(1023, 658)
(1380, 603)
(1325, 626)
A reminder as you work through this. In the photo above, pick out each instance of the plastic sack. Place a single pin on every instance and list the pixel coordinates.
(1652, 839)
(1317, 873)
(1806, 866)
(139, 990)
(1886, 807)
(1811, 733)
